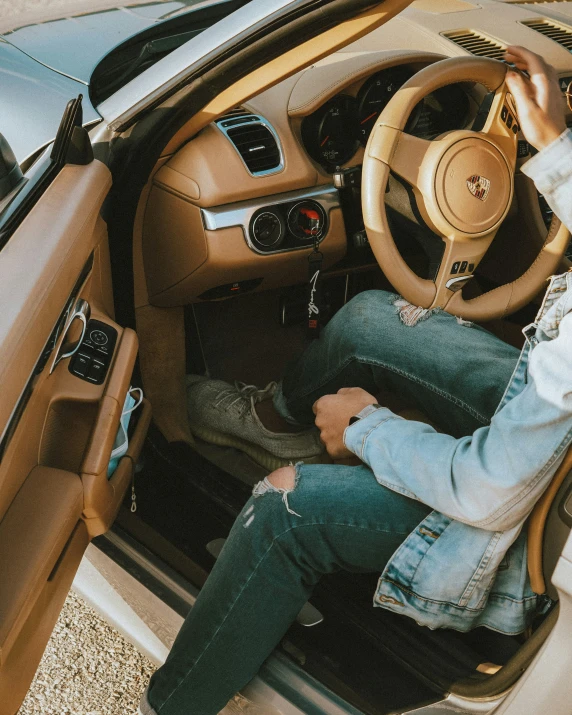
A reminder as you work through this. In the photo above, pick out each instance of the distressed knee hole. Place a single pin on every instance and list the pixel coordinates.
(281, 481)
(283, 478)
(410, 314)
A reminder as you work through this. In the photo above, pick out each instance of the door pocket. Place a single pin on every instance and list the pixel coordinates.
(68, 429)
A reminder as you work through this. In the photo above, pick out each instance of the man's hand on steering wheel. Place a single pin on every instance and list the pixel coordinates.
(538, 97)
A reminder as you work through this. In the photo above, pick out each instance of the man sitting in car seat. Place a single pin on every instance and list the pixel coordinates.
(434, 512)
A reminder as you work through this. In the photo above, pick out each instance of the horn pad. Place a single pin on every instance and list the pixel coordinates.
(473, 185)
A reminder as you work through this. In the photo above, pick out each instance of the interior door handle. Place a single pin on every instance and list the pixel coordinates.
(81, 312)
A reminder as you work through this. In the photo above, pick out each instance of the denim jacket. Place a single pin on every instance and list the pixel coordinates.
(465, 565)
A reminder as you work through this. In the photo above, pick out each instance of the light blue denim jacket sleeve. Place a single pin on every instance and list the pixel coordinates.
(491, 479)
(551, 171)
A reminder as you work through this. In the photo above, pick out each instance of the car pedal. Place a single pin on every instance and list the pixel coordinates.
(308, 616)
(214, 547)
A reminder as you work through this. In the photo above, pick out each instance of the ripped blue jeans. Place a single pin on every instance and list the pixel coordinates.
(455, 372)
(336, 517)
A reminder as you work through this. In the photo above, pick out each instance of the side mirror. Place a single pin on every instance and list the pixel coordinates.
(10, 173)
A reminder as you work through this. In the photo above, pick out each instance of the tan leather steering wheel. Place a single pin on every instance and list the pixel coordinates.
(463, 183)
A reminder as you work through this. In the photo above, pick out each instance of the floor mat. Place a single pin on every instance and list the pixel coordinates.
(242, 338)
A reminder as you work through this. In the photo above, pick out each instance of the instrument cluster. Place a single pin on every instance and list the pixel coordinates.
(333, 133)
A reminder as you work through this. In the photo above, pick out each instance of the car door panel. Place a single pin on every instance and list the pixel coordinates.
(57, 430)
(31, 540)
(19, 666)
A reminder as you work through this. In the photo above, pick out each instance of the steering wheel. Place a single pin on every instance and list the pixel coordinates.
(463, 183)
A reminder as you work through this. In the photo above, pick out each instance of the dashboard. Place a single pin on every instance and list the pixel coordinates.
(240, 205)
(333, 134)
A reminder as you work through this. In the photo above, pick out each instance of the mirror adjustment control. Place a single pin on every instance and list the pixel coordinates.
(98, 337)
(92, 360)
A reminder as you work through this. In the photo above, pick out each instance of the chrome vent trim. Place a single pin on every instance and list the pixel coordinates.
(255, 141)
(241, 213)
(556, 32)
(476, 43)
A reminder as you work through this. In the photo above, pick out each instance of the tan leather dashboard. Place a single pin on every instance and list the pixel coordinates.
(184, 259)
(340, 71)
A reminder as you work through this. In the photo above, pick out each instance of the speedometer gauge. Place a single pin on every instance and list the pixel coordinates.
(329, 134)
(374, 96)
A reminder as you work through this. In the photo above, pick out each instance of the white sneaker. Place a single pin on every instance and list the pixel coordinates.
(225, 415)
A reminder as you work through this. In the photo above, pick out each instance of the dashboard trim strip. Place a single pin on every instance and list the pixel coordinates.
(240, 214)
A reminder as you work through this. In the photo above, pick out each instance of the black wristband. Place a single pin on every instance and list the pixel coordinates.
(356, 418)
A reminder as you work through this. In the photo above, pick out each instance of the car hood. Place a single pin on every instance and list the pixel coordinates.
(75, 43)
(32, 101)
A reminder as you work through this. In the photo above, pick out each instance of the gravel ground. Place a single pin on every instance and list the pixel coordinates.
(88, 668)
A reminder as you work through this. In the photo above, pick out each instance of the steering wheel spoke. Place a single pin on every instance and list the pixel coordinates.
(501, 126)
(460, 259)
(408, 161)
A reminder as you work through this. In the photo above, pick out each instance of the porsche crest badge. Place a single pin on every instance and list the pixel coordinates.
(479, 186)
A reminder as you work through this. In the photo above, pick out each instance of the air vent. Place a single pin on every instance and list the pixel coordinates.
(255, 140)
(559, 33)
(476, 44)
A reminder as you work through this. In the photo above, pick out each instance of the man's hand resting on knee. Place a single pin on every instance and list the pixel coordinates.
(333, 414)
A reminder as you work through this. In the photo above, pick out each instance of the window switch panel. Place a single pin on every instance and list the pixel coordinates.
(92, 360)
(81, 364)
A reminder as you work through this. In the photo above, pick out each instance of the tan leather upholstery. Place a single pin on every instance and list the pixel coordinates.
(208, 171)
(102, 496)
(162, 364)
(33, 534)
(283, 67)
(174, 240)
(49, 245)
(335, 73)
(229, 257)
(18, 669)
(54, 492)
(537, 524)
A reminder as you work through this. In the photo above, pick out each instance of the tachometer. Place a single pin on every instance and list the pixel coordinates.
(441, 111)
(375, 94)
(329, 134)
